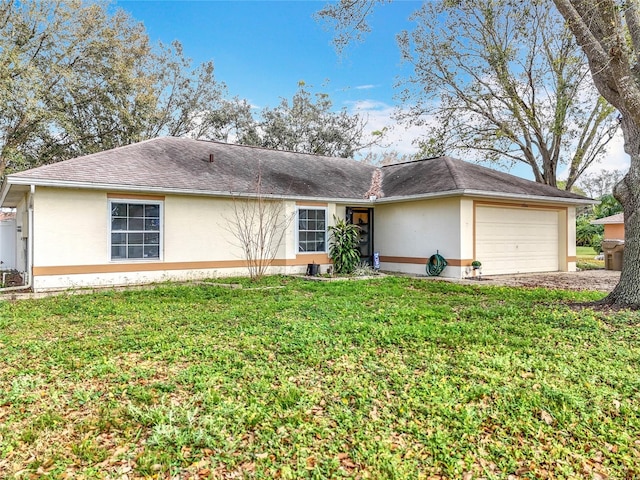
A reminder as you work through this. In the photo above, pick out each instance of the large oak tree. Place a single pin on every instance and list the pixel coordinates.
(496, 80)
(78, 77)
(609, 33)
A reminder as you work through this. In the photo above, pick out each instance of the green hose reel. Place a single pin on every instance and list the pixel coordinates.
(435, 265)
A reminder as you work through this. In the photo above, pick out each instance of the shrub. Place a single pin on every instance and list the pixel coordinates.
(343, 249)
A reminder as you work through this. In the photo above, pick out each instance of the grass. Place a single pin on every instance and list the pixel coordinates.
(388, 378)
(585, 259)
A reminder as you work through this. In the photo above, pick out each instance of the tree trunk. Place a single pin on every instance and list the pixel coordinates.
(627, 292)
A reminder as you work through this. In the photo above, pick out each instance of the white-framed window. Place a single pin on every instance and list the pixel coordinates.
(135, 229)
(312, 229)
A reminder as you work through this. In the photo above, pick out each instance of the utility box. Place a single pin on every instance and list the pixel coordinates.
(613, 250)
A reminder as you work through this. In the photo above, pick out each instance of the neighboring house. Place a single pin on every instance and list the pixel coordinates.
(613, 226)
(160, 210)
(7, 241)
(612, 240)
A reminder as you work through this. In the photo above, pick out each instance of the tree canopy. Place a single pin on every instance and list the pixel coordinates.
(496, 80)
(80, 77)
(76, 78)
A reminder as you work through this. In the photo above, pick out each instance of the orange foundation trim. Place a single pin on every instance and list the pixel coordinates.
(454, 262)
(158, 266)
(319, 258)
(572, 259)
(135, 196)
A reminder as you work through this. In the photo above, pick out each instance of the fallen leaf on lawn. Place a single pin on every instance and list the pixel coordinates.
(546, 417)
(374, 413)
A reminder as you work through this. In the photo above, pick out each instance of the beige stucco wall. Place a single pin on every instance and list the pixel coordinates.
(202, 229)
(71, 241)
(407, 233)
(70, 227)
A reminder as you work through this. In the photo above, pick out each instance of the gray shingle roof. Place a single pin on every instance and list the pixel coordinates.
(182, 164)
(444, 174)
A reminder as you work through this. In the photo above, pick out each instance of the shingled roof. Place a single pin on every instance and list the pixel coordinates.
(183, 165)
(446, 174)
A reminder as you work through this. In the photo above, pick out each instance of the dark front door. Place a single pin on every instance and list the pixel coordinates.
(363, 217)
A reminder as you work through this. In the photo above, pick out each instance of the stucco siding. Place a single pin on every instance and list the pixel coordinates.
(614, 231)
(418, 229)
(70, 227)
(203, 229)
(407, 233)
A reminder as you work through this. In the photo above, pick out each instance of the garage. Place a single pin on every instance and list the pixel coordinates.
(516, 240)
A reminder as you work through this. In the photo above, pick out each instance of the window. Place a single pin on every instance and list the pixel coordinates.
(312, 230)
(135, 230)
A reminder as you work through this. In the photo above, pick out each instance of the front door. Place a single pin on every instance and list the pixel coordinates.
(363, 217)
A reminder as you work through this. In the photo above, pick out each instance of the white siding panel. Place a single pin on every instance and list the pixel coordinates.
(516, 240)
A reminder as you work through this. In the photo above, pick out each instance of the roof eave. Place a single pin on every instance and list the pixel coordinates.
(10, 180)
(485, 193)
(175, 191)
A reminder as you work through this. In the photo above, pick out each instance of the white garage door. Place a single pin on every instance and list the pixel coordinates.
(516, 240)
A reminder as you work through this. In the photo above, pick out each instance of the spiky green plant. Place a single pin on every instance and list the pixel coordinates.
(343, 249)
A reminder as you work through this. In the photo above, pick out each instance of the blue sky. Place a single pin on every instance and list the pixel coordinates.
(262, 49)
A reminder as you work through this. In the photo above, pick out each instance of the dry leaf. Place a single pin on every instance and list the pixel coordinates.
(546, 417)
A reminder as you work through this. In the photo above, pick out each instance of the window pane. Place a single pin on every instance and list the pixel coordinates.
(151, 211)
(136, 224)
(152, 252)
(134, 251)
(118, 224)
(136, 210)
(118, 238)
(118, 209)
(152, 239)
(312, 228)
(118, 252)
(152, 224)
(135, 238)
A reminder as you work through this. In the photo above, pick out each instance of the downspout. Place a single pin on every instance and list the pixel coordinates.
(29, 271)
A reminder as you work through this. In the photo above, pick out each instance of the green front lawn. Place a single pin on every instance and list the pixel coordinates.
(388, 378)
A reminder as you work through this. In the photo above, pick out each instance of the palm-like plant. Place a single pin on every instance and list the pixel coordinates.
(343, 249)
